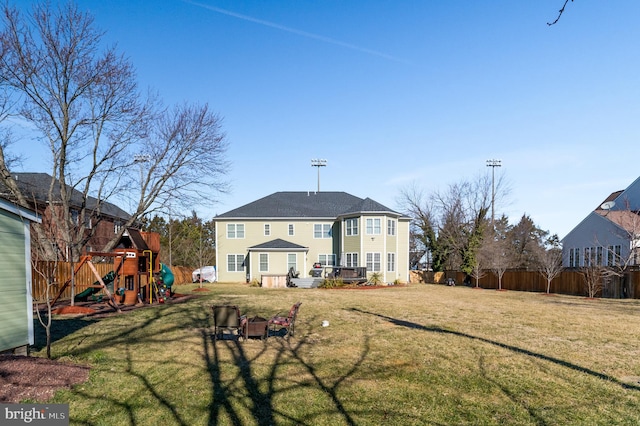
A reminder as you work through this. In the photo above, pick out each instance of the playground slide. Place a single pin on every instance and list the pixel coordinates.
(166, 275)
(107, 279)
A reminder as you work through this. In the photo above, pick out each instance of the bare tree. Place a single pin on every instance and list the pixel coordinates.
(479, 269)
(463, 209)
(423, 238)
(550, 260)
(593, 277)
(498, 250)
(85, 104)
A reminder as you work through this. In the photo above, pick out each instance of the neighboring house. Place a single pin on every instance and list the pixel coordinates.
(609, 235)
(16, 306)
(297, 229)
(101, 226)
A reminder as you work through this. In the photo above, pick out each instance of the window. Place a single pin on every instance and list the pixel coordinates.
(327, 259)
(267, 229)
(373, 226)
(574, 257)
(599, 256)
(292, 262)
(264, 262)
(235, 262)
(613, 255)
(351, 260)
(291, 230)
(117, 226)
(373, 262)
(322, 230)
(351, 226)
(587, 256)
(391, 227)
(235, 230)
(391, 262)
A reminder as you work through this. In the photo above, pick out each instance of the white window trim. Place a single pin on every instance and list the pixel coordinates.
(238, 265)
(391, 227)
(349, 257)
(295, 262)
(266, 255)
(351, 227)
(391, 262)
(324, 235)
(373, 261)
(235, 231)
(327, 255)
(375, 230)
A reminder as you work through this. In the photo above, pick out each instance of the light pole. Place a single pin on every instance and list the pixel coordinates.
(493, 164)
(318, 162)
(141, 159)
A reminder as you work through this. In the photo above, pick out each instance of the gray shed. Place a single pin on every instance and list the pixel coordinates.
(16, 305)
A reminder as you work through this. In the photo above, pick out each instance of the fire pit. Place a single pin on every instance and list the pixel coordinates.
(256, 327)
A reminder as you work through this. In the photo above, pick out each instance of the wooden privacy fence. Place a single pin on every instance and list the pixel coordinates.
(41, 271)
(569, 282)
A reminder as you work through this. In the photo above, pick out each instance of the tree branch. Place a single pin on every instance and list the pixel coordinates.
(560, 12)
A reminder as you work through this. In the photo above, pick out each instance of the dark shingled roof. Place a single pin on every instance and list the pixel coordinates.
(368, 206)
(36, 186)
(305, 204)
(611, 197)
(278, 244)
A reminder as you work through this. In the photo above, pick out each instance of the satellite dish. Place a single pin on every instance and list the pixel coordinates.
(608, 205)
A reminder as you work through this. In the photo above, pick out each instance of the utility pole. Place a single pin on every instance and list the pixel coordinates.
(493, 164)
(318, 162)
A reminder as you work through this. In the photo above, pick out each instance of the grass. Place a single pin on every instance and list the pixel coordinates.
(420, 355)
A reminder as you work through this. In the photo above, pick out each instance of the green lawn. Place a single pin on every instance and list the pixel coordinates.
(423, 354)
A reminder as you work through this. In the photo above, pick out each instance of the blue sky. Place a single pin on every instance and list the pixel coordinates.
(396, 92)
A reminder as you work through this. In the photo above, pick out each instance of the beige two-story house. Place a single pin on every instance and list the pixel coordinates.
(296, 230)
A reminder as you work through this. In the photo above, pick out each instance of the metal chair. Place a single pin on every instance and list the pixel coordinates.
(288, 322)
(226, 317)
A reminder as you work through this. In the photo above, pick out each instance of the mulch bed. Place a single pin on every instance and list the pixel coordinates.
(102, 309)
(66, 310)
(35, 378)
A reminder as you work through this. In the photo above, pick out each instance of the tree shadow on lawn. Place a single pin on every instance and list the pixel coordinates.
(60, 328)
(261, 406)
(561, 362)
(232, 393)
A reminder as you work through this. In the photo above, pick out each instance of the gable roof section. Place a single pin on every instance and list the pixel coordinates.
(36, 186)
(327, 205)
(279, 244)
(368, 206)
(19, 211)
(625, 219)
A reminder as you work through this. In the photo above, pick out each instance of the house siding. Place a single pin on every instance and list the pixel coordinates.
(336, 244)
(594, 231)
(16, 312)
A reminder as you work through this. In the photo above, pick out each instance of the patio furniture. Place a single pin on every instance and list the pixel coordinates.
(287, 322)
(227, 317)
(256, 327)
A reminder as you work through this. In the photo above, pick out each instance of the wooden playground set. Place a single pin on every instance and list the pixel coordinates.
(137, 277)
